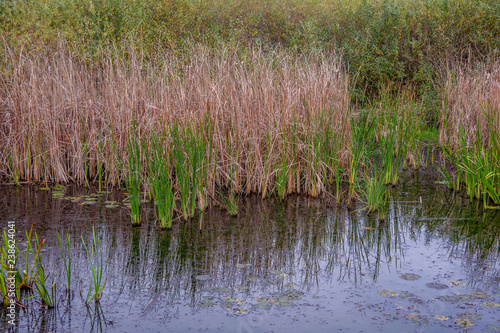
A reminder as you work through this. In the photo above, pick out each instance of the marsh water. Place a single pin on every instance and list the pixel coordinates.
(296, 265)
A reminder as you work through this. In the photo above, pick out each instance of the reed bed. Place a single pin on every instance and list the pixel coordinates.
(259, 118)
(470, 131)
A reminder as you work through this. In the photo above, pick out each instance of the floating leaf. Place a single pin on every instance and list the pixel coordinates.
(206, 304)
(410, 276)
(449, 298)
(110, 202)
(438, 286)
(491, 305)
(457, 283)
(231, 299)
(493, 328)
(417, 300)
(203, 277)
(112, 206)
(242, 288)
(480, 295)
(469, 315)
(284, 302)
(406, 294)
(264, 299)
(262, 306)
(464, 322)
(414, 317)
(442, 318)
(387, 292)
(86, 202)
(294, 295)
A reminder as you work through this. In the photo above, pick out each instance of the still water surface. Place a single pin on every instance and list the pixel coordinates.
(292, 266)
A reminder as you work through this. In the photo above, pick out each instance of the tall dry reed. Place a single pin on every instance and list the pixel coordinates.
(259, 113)
(471, 106)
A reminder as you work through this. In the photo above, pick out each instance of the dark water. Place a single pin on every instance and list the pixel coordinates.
(293, 266)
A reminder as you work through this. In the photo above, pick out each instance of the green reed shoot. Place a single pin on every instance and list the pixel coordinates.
(281, 177)
(99, 165)
(160, 181)
(96, 268)
(374, 194)
(66, 258)
(230, 201)
(195, 148)
(182, 175)
(133, 180)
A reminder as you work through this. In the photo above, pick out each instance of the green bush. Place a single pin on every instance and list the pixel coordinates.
(403, 41)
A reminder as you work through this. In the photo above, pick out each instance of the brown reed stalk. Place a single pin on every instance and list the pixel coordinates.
(255, 107)
(471, 99)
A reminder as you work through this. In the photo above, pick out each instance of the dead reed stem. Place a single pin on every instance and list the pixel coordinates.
(471, 100)
(255, 108)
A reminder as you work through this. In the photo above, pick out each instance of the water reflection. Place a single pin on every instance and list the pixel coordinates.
(271, 247)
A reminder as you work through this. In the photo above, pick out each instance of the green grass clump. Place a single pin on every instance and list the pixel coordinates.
(160, 180)
(94, 256)
(133, 181)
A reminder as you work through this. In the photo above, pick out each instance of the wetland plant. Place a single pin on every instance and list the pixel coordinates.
(182, 175)
(66, 259)
(133, 180)
(374, 194)
(96, 262)
(160, 181)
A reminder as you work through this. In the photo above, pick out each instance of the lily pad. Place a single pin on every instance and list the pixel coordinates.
(469, 315)
(110, 202)
(294, 295)
(442, 318)
(449, 298)
(263, 306)
(264, 300)
(410, 276)
(112, 206)
(387, 292)
(493, 328)
(222, 290)
(457, 283)
(491, 305)
(464, 322)
(203, 277)
(480, 295)
(414, 317)
(438, 286)
(240, 288)
(406, 294)
(86, 202)
(284, 303)
(206, 304)
(417, 300)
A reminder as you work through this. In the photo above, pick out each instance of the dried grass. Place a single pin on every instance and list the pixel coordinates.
(254, 108)
(471, 104)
